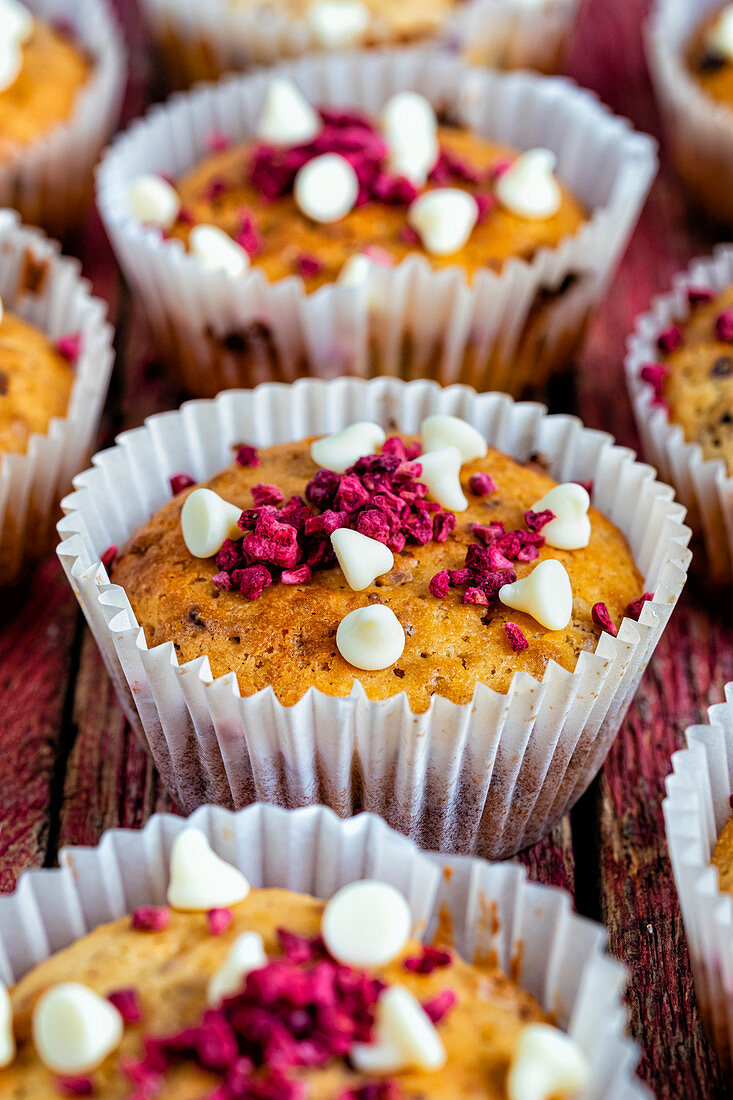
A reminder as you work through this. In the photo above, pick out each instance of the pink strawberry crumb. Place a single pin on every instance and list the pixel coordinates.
(724, 326)
(219, 920)
(634, 608)
(602, 618)
(127, 1003)
(76, 1086)
(150, 918)
(481, 485)
(430, 959)
(439, 1006)
(179, 482)
(699, 295)
(516, 638)
(670, 339)
(109, 555)
(69, 346)
(440, 584)
(247, 456)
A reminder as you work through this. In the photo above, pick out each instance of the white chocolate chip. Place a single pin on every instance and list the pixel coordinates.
(74, 1029)
(7, 1038)
(411, 131)
(720, 39)
(342, 449)
(450, 431)
(366, 923)
(338, 24)
(570, 529)
(547, 1065)
(407, 113)
(404, 1029)
(362, 559)
(16, 21)
(545, 594)
(370, 637)
(326, 188)
(206, 521)
(200, 879)
(441, 472)
(11, 62)
(216, 250)
(414, 157)
(444, 219)
(528, 188)
(287, 117)
(153, 201)
(246, 953)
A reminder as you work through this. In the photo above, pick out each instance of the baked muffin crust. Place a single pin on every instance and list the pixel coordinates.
(35, 383)
(285, 639)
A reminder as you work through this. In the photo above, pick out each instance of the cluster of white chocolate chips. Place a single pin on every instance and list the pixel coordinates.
(16, 27)
(372, 637)
(326, 188)
(365, 924)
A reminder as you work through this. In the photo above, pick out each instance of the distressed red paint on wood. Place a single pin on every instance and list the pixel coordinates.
(70, 766)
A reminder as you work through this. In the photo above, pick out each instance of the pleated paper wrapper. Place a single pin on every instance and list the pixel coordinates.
(703, 485)
(55, 299)
(51, 180)
(202, 39)
(489, 777)
(697, 806)
(495, 913)
(698, 129)
(509, 330)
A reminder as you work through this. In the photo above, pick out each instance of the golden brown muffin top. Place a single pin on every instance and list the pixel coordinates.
(723, 857)
(43, 96)
(220, 191)
(694, 376)
(170, 969)
(402, 21)
(285, 639)
(35, 383)
(712, 70)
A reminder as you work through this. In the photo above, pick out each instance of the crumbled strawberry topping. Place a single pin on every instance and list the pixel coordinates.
(214, 189)
(109, 555)
(185, 216)
(481, 485)
(303, 1010)
(602, 618)
(537, 520)
(515, 637)
(378, 1090)
(670, 339)
(380, 496)
(500, 167)
(69, 346)
(634, 609)
(219, 920)
(439, 1006)
(127, 1003)
(216, 141)
(179, 482)
(247, 456)
(149, 918)
(247, 236)
(699, 295)
(307, 265)
(430, 959)
(724, 326)
(409, 236)
(654, 374)
(440, 584)
(76, 1086)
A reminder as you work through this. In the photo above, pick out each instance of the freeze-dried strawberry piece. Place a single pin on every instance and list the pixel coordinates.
(515, 636)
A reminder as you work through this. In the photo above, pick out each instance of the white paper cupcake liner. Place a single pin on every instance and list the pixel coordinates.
(699, 130)
(51, 181)
(556, 956)
(59, 302)
(489, 777)
(696, 809)
(703, 485)
(505, 331)
(202, 39)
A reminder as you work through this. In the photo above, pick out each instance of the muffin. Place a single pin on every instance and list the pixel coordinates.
(60, 93)
(199, 986)
(699, 832)
(202, 41)
(444, 582)
(456, 763)
(679, 371)
(448, 247)
(689, 49)
(55, 362)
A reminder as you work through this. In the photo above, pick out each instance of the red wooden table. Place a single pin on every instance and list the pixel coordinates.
(70, 766)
